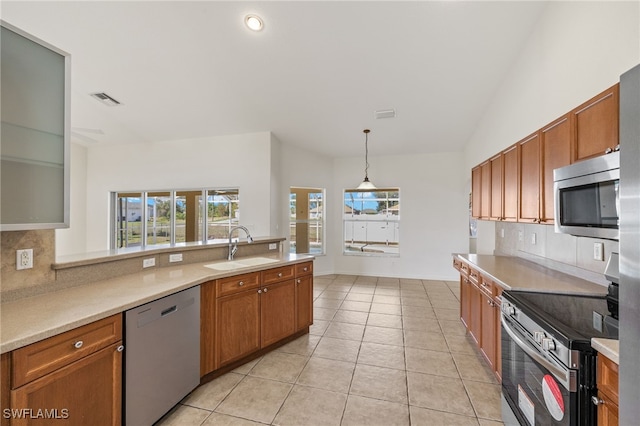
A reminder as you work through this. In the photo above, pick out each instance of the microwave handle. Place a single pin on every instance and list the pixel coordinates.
(562, 376)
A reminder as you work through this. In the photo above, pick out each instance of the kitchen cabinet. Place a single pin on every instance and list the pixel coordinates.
(555, 145)
(76, 375)
(304, 295)
(510, 184)
(35, 133)
(595, 124)
(608, 397)
(529, 178)
(485, 190)
(480, 313)
(246, 313)
(497, 178)
(476, 192)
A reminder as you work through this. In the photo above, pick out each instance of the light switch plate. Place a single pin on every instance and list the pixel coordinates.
(175, 257)
(598, 251)
(147, 263)
(534, 239)
(273, 246)
(597, 321)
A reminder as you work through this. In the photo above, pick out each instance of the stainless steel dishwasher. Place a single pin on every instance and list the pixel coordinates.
(162, 356)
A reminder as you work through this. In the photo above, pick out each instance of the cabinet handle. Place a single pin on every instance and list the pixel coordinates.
(279, 274)
(596, 400)
(305, 269)
(120, 348)
(241, 283)
(265, 290)
(78, 344)
(259, 291)
(298, 281)
(607, 151)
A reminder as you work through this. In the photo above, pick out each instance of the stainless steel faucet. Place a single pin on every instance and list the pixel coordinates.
(233, 245)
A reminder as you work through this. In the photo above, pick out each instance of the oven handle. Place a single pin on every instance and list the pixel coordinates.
(562, 376)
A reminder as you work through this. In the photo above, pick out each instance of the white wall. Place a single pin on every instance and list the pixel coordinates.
(237, 161)
(73, 239)
(577, 50)
(433, 214)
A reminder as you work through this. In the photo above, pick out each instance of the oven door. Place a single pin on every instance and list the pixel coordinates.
(538, 391)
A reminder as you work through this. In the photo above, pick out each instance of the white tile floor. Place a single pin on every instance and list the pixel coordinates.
(382, 351)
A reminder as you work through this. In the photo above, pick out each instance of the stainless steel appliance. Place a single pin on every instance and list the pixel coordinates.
(630, 246)
(548, 365)
(162, 359)
(587, 201)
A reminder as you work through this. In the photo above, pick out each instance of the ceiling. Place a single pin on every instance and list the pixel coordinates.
(313, 76)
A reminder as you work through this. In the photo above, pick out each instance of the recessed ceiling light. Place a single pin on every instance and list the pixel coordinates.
(253, 22)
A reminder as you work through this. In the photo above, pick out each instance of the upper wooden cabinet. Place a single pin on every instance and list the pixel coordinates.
(517, 184)
(510, 184)
(476, 191)
(529, 210)
(555, 144)
(595, 124)
(497, 177)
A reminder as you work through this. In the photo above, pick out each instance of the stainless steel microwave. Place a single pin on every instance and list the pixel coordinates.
(587, 201)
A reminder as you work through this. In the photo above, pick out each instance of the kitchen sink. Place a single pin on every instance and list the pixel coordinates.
(240, 263)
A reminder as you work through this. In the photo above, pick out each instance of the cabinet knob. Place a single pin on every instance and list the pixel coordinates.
(265, 290)
(241, 283)
(597, 401)
(305, 269)
(78, 344)
(608, 151)
(120, 348)
(298, 281)
(259, 291)
(279, 274)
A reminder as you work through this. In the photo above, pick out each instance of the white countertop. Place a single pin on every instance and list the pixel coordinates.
(514, 273)
(607, 347)
(32, 319)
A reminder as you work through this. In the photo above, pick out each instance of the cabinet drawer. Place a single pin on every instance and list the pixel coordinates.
(464, 268)
(278, 274)
(474, 276)
(40, 358)
(457, 264)
(487, 286)
(304, 269)
(607, 377)
(230, 285)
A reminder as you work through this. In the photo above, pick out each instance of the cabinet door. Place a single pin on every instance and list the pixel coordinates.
(555, 142)
(304, 302)
(485, 182)
(529, 179)
(607, 411)
(510, 183)
(237, 326)
(497, 178)
(465, 288)
(475, 313)
(277, 312)
(488, 327)
(595, 124)
(86, 392)
(207, 327)
(476, 192)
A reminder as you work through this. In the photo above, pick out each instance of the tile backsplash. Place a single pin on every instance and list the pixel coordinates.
(561, 251)
(43, 244)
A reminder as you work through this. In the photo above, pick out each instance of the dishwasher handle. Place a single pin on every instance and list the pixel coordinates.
(169, 310)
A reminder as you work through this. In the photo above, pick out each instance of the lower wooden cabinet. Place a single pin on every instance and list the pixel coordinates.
(277, 312)
(74, 378)
(608, 397)
(480, 313)
(304, 302)
(237, 319)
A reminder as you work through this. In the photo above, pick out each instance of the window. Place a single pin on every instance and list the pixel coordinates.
(166, 217)
(306, 220)
(372, 222)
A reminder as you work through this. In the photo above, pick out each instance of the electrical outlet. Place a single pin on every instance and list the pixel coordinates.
(175, 257)
(597, 321)
(534, 239)
(501, 232)
(273, 246)
(598, 251)
(147, 263)
(24, 259)
(520, 236)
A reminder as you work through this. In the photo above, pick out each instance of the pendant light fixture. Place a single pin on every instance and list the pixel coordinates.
(366, 185)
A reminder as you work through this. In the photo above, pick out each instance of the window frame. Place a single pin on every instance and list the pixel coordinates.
(322, 222)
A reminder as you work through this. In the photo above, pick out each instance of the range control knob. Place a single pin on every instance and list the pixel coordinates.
(538, 336)
(548, 344)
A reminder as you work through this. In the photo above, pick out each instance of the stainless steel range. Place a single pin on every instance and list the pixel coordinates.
(548, 365)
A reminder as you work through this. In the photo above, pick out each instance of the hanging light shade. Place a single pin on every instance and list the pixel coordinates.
(366, 184)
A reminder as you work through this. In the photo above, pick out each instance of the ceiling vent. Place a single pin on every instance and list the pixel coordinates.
(105, 99)
(385, 113)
